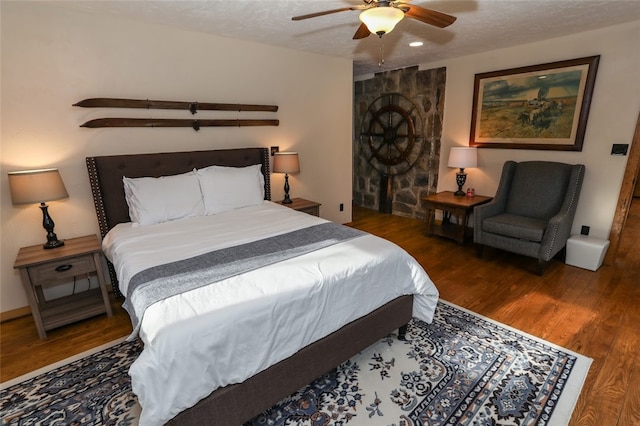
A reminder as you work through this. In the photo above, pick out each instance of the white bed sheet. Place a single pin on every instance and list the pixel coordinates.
(228, 331)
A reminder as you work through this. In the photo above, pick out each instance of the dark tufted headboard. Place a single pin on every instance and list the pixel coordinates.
(106, 172)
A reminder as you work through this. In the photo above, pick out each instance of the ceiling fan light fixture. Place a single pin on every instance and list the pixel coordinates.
(382, 19)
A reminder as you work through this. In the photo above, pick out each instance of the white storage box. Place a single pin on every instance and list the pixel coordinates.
(586, 252)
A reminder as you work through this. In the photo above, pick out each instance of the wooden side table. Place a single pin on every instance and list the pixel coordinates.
(451, 205)
(40, 268)
(302, 205)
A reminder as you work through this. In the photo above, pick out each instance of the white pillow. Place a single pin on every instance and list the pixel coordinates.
(156, 200)
(229, 188)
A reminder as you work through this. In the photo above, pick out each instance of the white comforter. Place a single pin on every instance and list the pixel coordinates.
(226, 332)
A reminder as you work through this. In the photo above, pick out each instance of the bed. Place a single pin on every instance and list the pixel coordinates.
(316, 310)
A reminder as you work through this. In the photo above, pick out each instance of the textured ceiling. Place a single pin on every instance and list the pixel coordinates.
(481, 25)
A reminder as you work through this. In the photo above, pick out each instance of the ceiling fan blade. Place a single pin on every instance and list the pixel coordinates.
(361, 32)
(326, 12)
(428, 16)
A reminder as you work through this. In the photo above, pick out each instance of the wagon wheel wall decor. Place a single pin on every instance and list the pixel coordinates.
(391, 131)
(392, 137)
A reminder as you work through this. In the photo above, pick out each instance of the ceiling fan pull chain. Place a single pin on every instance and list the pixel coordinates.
(381, 59)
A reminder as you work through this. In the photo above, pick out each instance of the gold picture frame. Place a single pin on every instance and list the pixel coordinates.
(535, 107)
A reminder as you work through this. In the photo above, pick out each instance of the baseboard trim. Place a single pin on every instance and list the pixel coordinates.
(14, 313)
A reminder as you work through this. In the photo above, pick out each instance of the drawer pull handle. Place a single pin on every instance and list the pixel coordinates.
(63, 268)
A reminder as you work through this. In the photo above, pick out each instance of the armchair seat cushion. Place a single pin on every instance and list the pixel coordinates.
(514, 226)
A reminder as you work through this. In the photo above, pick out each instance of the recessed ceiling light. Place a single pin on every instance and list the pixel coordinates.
(416, 44)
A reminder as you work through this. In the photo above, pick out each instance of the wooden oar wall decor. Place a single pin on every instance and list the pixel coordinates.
(193, 107)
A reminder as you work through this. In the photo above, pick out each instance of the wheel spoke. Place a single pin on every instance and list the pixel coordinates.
(376, 150)
(389, 120)
(400, 123)
(377, 119)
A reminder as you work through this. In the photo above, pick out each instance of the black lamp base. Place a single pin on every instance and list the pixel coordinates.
(286, 200)
(461, 178)
(47, 224)
(53, 244)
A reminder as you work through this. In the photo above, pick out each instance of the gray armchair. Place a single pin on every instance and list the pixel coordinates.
(532, 211)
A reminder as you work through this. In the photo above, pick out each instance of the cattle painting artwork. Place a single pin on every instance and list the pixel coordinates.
(537, 107)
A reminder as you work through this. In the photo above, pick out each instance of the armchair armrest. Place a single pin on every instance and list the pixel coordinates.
(559, 229)
(495, 206)
(556, 235)
(481, 212)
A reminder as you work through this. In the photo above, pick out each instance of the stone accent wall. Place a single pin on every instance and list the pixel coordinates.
(426, 90)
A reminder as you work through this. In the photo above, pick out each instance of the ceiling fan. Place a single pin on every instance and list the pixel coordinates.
(381, 16)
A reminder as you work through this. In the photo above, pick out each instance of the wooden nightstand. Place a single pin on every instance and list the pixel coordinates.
(451, 205)
(40, 268)
(302, 205)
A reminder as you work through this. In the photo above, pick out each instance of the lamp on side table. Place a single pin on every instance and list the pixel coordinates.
(286, 162)
(462, 157)
(39, 186)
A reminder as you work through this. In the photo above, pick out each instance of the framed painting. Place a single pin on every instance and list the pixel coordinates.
(536, 107)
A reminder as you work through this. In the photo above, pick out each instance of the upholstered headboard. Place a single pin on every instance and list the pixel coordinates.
(106, 173)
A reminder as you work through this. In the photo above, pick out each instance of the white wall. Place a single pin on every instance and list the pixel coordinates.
(614, 111)
(53, 57)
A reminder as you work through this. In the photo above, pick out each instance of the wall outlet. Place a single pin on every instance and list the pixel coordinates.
(619, 149)
(274, 149)
(341, 207)
(584, 230)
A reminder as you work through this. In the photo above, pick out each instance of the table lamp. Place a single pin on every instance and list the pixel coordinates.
(39, 186)
(462, 157)
(286, 162)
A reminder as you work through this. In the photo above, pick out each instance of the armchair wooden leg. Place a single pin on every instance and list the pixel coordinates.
(479, 250)
(541, 267)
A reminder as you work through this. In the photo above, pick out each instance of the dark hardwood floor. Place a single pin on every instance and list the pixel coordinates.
(594, 313)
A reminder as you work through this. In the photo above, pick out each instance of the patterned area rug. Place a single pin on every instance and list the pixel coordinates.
(462, 369)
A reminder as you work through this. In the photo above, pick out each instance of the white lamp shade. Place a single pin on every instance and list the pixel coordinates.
(286, 162)
(36, 186)
(382, 19)
(463, 157)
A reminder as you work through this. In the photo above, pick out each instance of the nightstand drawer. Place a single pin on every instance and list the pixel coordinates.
(60, 270)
